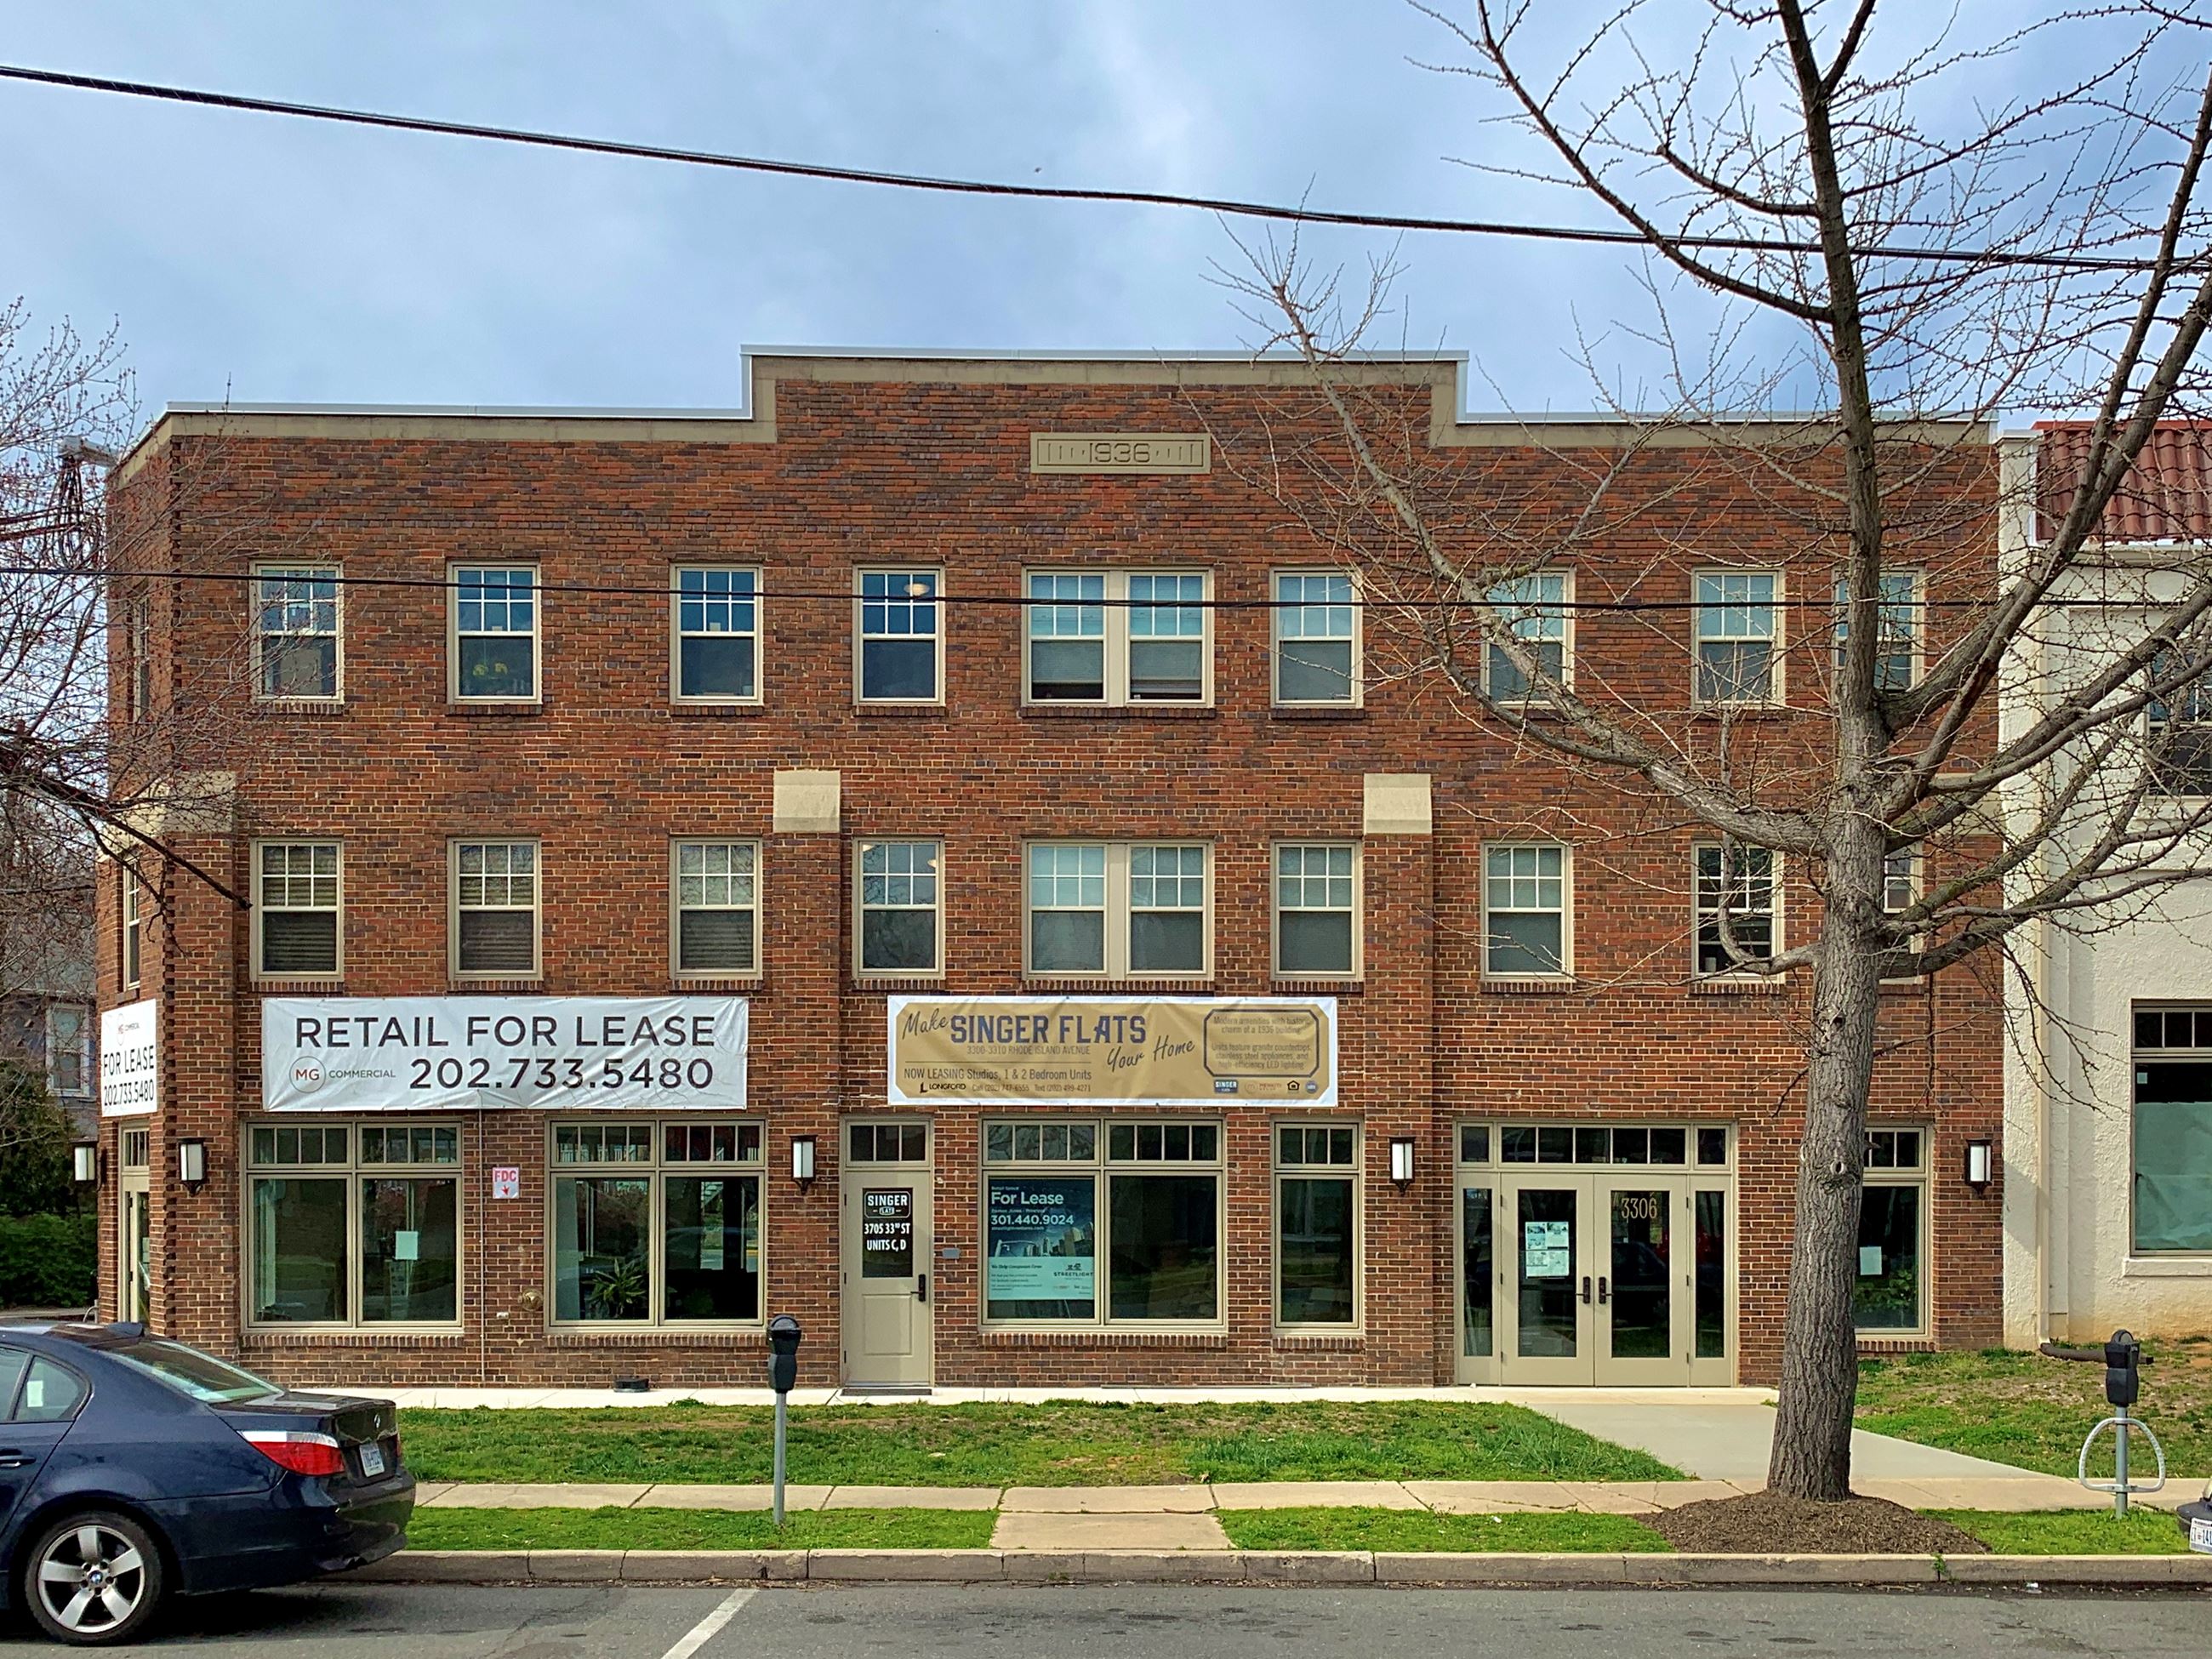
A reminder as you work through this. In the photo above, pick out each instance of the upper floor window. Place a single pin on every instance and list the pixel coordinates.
(496, 898)
(1116, 637)
(2178, 733)
(132, 925)
(1524, 909)
(1737, 617)
(1316, 911)
(69, 1048)
(1535, 607)
(496, 624)
(717, 640)
(138, 623)
(1735, 905)
(901, 923)
(717, 906)
(295, 636)
(296, 913)
(1316, 637)
(901, 636)
(1115, 910)
(1897, 621)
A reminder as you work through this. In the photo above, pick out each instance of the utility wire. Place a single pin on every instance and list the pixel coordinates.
(1227, 206)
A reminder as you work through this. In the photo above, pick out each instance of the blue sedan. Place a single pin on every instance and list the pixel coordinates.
(133, 1468)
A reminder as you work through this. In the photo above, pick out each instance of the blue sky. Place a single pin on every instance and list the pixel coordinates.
(263, 258)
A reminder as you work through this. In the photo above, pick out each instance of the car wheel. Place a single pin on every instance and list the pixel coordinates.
(92, 1579)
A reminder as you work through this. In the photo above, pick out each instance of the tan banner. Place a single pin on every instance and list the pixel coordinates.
(1153, 1051)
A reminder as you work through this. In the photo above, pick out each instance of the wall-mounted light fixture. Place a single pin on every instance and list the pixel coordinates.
(84, 1161)
(1981, 1161)
(1401, 1162)
(191, 1163)
(802, 1161)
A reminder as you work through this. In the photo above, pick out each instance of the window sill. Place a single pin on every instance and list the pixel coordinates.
(459, 710)
(1738, 985)
(1531, 984)
(1295, 1340)
(1059, 986)
(1738, 710)
(277, 985)
(319, 708)
(1096, 711)
(1290, 986)
(716, 711)
(347, 1336)
(1901, 987)
(909, 711)
(692, 984)
(633, 1336)
(1317, 711)
(894, 983)
(2177, 1266)
(1882, 1342)
(458, 987)
(1105, 1337)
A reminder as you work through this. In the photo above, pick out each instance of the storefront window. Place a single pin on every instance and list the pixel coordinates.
(353, 1225)
(1161, 1211)
(1317, 1236)
(1892, 1217)
(2172, 1135)
(674, 1237)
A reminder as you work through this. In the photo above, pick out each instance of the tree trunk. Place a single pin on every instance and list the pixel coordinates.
(1811, 1456)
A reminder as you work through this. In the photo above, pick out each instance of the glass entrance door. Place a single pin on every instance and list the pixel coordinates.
(136, 1247)
(1550, 1286)
(1643, 1328)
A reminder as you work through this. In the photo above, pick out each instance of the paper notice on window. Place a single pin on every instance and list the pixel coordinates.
(406, 1247)
(1869, 1261)
(1546, 1250)
(34, 1395)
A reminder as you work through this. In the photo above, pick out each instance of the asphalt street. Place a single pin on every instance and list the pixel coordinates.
(392, 1621)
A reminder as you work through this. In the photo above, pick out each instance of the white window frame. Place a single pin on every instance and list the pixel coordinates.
(536, 635)
(1119, 914)
(1566, 967)
(1544, 613)
(1101, 1168)
(332, 573)
(138, 620)
(1918, 1181)
(1356, 693)
(130, 910)
(2195, 1052)
(935, 598)
(453, 906)
(1914, 637)
(81, 1048)
(677, 907)
(1354, 1175)
(1277, 909)
(1116, 639)
(1776, 605)
(261, 968)
(677, 635)
(1697, 910)
(655, 1170)
(860, 908)
(351, 1172)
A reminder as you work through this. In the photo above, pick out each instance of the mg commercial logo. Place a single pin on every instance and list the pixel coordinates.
(307, 1075)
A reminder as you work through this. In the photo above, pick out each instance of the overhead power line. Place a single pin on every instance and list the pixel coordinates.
(1279, 212)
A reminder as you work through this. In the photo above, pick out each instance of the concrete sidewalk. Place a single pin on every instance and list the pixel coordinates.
(503, 1399)
(1731, 1440)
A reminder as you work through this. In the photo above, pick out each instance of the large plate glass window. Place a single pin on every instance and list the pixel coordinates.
(353, 1224)
(1316, 910)
(1736, 615)
(901, 636)
(295, 635)
(1116, 910)
(1892, 1295)
(1316, 638)
(495, 626)
(1535, 607)
(1736, 905)
(1316, 1224)
(656, 1224)
(717, 618)
(2171, 1144)
(900, 924)
(1115, 637)
(296, 908)
(717, 908)
(1524, 899)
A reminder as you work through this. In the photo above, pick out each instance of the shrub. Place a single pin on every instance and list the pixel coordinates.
(48, 1260)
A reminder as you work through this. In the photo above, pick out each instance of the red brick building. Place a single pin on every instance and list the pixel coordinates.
(943, 854)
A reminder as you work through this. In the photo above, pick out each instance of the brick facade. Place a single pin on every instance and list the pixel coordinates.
(848, 463)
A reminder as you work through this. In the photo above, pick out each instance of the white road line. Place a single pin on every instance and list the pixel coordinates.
(707, 1628)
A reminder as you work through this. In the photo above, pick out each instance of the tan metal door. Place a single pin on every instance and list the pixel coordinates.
(1548, 1226)
(134, 1245)
(887, 1251)
(1642, 1334)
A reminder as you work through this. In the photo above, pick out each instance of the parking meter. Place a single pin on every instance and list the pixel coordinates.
(2123, 1372)
(783, 1334)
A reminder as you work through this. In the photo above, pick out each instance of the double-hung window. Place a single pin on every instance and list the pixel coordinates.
(1117, 637)
(1316, 1224)
(717, 635)
(138, 620)
(656, 1224)
(2171, 1142)
(296, 637)
(899, 927)
(1050, 1234)
(1735, 903)
(1897, 625)
(717, 893)
(129, 902)
(1738, 628)
(68, 1049)
(1316, 910)
(1316, 638)
(496, 890)
(495, 627)
(297, 932)
(1891, 1292)
(2178, 733)
(1118, 910)
(1524, 910)
(353, 1224)
(1534, 608)
(900, 646)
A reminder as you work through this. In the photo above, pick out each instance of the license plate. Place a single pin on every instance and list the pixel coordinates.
(372, 1460)
(2200, 1533)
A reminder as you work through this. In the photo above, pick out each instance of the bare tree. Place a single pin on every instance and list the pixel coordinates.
(1838, 213)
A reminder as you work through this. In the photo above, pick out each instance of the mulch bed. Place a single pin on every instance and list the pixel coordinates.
(1767, 1523)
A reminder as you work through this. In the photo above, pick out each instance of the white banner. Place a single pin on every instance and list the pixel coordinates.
(130, 1058)
(503, 1054)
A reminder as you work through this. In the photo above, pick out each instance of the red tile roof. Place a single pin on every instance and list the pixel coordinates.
(2168, 497)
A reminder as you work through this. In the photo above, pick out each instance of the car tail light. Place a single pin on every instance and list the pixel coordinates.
(300, 1450)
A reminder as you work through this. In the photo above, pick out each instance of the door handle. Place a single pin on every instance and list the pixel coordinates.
(921, 1287)
(12, 1459)
(1586, 1296)
(1604, 1291)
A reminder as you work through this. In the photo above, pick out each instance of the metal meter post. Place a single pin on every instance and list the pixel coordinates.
(783, 1334)
(2123, 1358)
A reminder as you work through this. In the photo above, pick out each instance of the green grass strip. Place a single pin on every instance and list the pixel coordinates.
(698, 1529)
(1053, 1443)
(2073, 1532)
(1420, 1530)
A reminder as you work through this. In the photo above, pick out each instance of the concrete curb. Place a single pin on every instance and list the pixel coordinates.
(1264, 1567)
